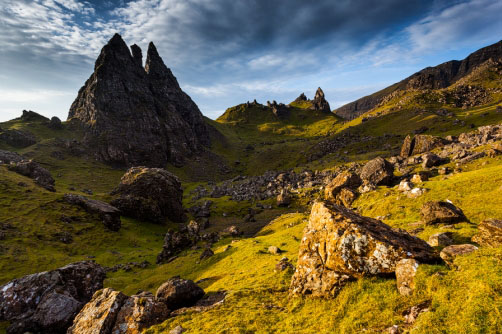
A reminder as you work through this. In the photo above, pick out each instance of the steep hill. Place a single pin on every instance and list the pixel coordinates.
(440, 76)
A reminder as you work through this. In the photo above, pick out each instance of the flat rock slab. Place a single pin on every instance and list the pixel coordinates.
(448, 254)
(108, 213)
(339, 245)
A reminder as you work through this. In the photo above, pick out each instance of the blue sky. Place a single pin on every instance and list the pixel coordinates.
(225, 52)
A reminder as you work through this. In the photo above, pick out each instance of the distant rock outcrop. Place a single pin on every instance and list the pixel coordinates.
(319, 102)
(134, 115)
(440, 76)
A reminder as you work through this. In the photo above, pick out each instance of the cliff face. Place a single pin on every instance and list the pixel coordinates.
(437, 77)
(134, 115)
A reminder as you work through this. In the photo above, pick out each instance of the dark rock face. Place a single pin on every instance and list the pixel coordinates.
(319, 102)
(377, 172)
(440, 76)
(175, 242)
(153, 194)
(441, 213)
(338, 245)
(17, 138)
(178, 292)
(134, 115)
(47, 302)
(420, 144)
(301, 98)
(31, 169)
(110, 215)
(31, 116)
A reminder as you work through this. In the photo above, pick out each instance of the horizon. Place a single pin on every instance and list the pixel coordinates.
(222, 58)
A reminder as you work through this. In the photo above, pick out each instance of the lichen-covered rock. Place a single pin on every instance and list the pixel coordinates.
(138, 313)
(34, 171)
(420, 144)
(377, 172)
(490, 233)
(18, 138)
(99, 315)
(406, 269)
(448, 254)
(152, 194)
(339, 245)
(109, 214)
(441, 213)
(178, 292)
(48, 301)
(341, 190)
(137, 116)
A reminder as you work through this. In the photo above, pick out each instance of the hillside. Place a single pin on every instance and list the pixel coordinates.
(251, 203)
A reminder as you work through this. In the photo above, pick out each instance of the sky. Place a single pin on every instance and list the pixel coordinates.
(226, 52)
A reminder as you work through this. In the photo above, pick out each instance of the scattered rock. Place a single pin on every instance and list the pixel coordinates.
(377, 172)
(34, 171)
(178, 330)
(274, 250)
(207, 253)
(150, 193)
(338, 245)
(490, 233)
(440, 239)
(420, 144)
(406, 269)
(341, 189)
(448, 254)
(232, 231)
(175, 242)
(411, 314)
(441, 213)
(284, 264)
(283, 199)
(18, 138)
(109, 214)
(178, 292)
(430, 160)
(48, 301)
(6, 157)
(405, 186)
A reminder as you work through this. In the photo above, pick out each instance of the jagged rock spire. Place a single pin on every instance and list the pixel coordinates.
(301, 98)
(137, 55)
(319, 102)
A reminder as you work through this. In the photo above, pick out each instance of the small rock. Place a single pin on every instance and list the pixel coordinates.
(440, 239)
(207, 253)
(178, 330)
(411, 315)
(405, 186)
(441, 213)
(274, 250)
(406, 269)
(420, 177)
(448, 254)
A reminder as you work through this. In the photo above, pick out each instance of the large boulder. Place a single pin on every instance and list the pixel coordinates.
(490, 233)
(34, 171)
(339, 245)
(152, 194)
(18, 138)
(441, 213)
(48, 301)
(109, 214)
(341, 189)
(377, 172)
(177, 293)
(133, 115)
(420, 144)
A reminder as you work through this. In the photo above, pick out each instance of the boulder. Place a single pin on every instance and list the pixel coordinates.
(405, 186)
(55, 123)
(206, 253)
(338, 245)
(490, 233)
(441, 213)
(34, 171)
(283, 199)
(419, 144)
(6, 157)
(341, 190)
(448, 254)
(174, 243)
(18, 138)
(152, 194)
(109, 214)
(377, 172)
(274, 250)
(177, 293)
(430, 160)
(406, 269)
(48, 301)
(420, 177)
(440, 239)
(98, 316)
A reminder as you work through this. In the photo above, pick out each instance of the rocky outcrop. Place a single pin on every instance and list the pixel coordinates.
(175, 242)
(377, 172)
(137, 116)
(441, 213)
(6, 157)
(490, 233)
(34, 171)
(109, 214)
(419, 144)
(47, 302)
(17, 138)
(152, 194)
(55, 123)
(319, 102)
(440, 76)
(177, 293)
(338, 245)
